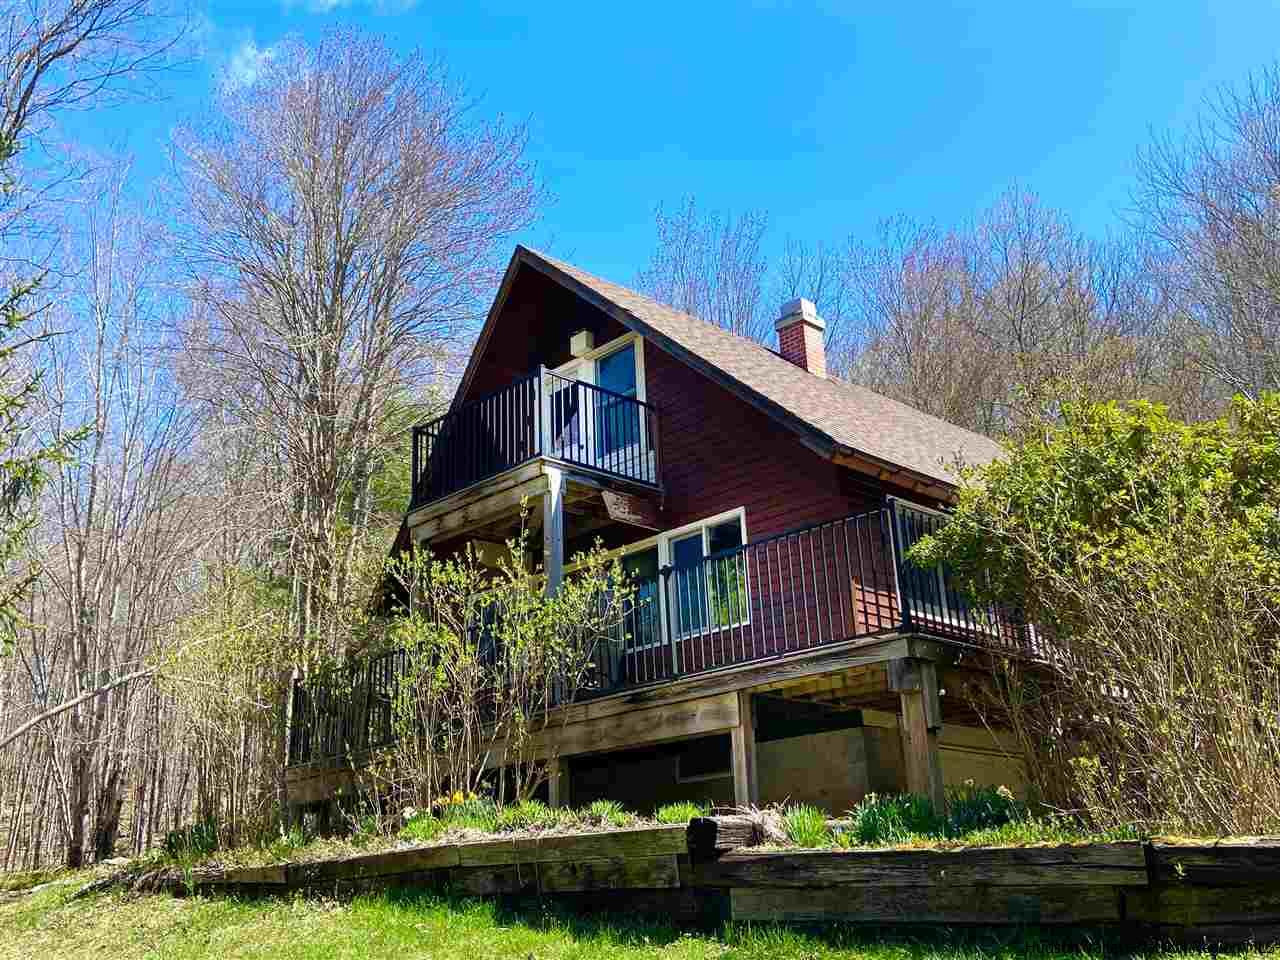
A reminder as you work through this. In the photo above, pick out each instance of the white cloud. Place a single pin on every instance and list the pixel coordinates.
(246, 63)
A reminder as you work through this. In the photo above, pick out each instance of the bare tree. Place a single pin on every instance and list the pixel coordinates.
(819, 272)
(712, 267)
(121, 525)
(994, 325)
(340, 218)
(66, 54)
(1211, 198)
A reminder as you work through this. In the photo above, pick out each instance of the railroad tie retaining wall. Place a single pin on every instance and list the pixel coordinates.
(1216, 892)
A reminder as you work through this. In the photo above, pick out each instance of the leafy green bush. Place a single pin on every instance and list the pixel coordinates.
(895, 819)
(1141, 549)
(681, 812)
(806, 826)
(197, 840)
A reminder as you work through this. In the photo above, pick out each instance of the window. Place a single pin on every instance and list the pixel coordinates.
(708, 584)
(642, 624)
(605, 427)
(617, 420)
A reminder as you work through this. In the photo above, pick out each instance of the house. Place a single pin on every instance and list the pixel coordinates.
(786, 649)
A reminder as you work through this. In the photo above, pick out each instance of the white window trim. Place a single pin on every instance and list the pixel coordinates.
(704, 525)
(588, 361)
(663, 542)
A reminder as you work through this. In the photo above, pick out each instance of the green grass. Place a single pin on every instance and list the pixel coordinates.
(682, 812)
(406, 924)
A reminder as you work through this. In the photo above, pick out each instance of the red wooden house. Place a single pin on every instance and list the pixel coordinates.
(784, 649)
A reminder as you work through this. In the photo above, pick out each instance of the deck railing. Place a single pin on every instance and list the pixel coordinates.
(841, 580)
(543, 414)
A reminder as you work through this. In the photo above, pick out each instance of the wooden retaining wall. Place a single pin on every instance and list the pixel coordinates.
(1205, 892)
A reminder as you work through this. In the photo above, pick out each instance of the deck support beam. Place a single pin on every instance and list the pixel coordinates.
(916, 682)
(553, 529)
(746, 785)
(557, 783)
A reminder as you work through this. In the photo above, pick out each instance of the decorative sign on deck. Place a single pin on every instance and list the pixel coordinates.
(629, 508)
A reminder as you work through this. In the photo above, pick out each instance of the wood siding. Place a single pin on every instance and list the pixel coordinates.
(719, 453)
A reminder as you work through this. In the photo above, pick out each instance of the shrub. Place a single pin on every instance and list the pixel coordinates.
(806, 826)
(1147, 553)
(681, 812)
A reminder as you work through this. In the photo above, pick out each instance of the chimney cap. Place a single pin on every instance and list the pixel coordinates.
(799, 310)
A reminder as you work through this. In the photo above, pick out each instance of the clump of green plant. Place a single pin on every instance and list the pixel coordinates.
(194, 841)
(422, 827)
(472, 813)
(526, 815)
(806, 826)
(606, 813)
(287, 843)
(894, 819)
(681, 812)
(971, 808)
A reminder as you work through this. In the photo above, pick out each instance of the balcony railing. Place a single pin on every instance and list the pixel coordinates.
(837, 581)
(543, 414)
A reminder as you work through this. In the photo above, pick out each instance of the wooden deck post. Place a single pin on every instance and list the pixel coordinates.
(553, 529)
(557, 783)
(917, 684)
(746, 787)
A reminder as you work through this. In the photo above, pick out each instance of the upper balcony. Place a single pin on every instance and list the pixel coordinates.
(542, 415)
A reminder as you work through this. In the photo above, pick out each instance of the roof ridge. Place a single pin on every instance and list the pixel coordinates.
(838, 382)
(849, 416)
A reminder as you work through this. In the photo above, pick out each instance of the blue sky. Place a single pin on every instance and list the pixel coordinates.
(828, 116)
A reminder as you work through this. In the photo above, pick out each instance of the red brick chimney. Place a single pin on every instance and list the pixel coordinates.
(800, 332)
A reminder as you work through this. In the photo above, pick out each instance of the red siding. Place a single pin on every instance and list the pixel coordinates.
(719, 453)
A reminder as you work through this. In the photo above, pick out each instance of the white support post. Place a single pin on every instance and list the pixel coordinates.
(544, 413)
(553, 529)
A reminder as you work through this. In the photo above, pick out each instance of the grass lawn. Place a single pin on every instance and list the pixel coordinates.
(406, 925)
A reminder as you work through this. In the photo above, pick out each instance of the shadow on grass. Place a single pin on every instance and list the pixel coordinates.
(595, 919)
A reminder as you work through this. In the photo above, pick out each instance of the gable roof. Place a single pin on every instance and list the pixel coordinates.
(839, 420)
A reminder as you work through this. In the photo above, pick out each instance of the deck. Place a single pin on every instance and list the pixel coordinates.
(790, 596)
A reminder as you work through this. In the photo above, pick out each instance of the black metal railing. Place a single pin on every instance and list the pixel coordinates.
(543, 414)
(933, 603)
(347, 712)
(832, 582)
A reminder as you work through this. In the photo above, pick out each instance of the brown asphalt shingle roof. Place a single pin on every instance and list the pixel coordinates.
(850, 418)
